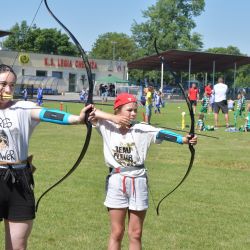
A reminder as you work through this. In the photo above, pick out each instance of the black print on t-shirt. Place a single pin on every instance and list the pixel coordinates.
(5, 154)
(4, 141)
(5, 123)
(8, 155)
(123, 155)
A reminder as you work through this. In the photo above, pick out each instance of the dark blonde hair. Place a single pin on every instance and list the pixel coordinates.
(5, 68)
(117, 110)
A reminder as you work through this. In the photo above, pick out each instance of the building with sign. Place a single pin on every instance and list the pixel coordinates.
(57, 74)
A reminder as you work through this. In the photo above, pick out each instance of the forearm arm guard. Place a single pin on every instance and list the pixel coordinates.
(169, 136)
(54, 116)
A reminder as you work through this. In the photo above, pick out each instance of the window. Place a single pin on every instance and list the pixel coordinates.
(41, 73)
(72, 82)
(57, 74)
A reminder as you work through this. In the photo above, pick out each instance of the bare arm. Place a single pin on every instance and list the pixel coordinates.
(59, 117)
(98, 114)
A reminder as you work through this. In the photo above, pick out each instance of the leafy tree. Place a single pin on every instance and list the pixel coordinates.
(243, 77)
(16, 38)
(113, 44)
(230, 50)
(53, 41)
(170, 21)
(33, 39)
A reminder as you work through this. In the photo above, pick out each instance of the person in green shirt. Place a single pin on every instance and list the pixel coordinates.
(204, 103)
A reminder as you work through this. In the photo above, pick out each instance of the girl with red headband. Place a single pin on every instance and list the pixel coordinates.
(125, 149)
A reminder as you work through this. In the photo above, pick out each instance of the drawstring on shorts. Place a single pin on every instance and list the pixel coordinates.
(124, 190)
(10, 173)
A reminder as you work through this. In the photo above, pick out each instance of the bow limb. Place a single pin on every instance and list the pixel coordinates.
(89, 101)
(81, 50)
(191, 132)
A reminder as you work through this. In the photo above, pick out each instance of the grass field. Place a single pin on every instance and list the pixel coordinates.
(211, 210)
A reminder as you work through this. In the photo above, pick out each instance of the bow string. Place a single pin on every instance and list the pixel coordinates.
(89, 101)
(191, 132)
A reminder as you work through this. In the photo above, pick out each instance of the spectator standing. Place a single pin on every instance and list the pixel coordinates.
(112, 90)
(158, 102)
(211, 103)
(193, 95)
(25, 94)
(104, 93)
(238, 111)
(83, 95)
(247, 123)
(40, 96)
(149, 103)
(220, 101)
(208, 89)
(243, 101)
(204, 103)
(100, 89)
(230, 105)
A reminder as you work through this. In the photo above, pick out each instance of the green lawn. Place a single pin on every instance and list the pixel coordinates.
(209, 211)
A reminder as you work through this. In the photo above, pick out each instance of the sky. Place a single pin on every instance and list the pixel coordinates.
(223, 23)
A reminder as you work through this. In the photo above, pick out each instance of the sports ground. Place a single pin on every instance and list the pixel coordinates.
(209, 211)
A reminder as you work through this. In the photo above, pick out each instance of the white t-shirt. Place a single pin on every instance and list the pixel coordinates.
(16, 127)
(128, 150)
(220, 92)
(157, 100)
(211, 99)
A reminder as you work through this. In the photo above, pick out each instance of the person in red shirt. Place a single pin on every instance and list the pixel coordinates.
(208, 89)
(193, 95)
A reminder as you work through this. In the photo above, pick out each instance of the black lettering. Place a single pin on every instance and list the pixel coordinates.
(9, 155)
(127, 150)
(130, 158)
(5, 123)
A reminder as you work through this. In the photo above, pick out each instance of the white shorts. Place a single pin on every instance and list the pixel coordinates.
(127, 192)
